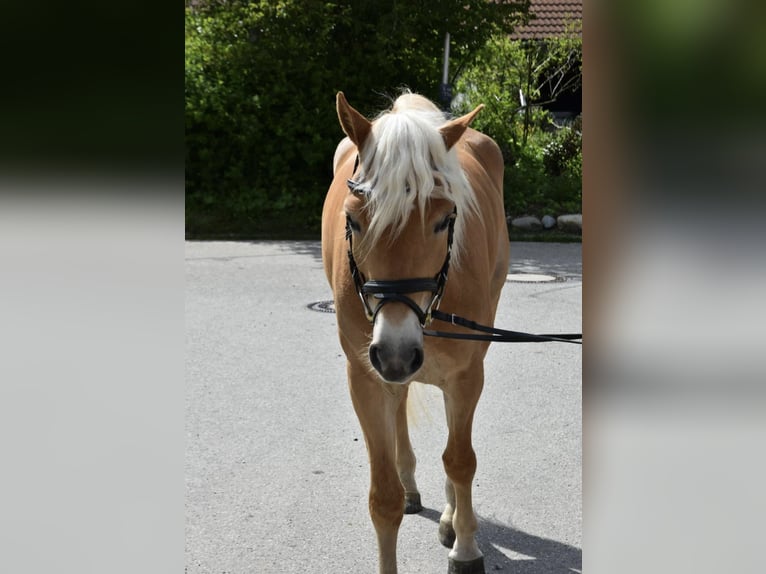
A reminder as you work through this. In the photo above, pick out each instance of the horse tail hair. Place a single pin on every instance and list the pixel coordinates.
(417, 404)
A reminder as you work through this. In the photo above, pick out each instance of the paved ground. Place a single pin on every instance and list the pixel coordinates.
(276, 468)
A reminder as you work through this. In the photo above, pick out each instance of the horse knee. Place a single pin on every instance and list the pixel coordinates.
(386, 503)
(460, 466)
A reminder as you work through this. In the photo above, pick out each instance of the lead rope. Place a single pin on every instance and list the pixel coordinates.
(497, 335)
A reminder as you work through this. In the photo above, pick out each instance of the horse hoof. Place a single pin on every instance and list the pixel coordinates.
(472, 567)
(446, 535)
(412, 503)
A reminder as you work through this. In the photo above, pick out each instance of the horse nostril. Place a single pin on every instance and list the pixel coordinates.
(375, 357)
(395, 364)
(417, 359)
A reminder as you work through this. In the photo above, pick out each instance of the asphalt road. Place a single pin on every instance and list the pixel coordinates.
(276, 468)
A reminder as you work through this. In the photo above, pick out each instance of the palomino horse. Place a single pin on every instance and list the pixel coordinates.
(415, 198)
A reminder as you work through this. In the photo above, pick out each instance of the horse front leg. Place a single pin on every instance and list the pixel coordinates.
(457, 524)
(376, 406)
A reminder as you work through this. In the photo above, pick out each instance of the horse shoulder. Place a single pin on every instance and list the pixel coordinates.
(487, 153)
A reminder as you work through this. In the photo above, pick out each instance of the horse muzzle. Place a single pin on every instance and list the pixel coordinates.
(396, 350)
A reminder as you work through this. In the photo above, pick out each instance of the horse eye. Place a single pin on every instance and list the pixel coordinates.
(353, 224)
(444, 224)
(355, 187)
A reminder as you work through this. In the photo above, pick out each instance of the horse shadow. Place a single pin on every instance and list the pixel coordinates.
(305, 247)
(536, 555)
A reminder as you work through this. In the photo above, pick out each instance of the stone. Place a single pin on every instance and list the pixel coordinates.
(548, 222)
(571, 223)
(527, 223)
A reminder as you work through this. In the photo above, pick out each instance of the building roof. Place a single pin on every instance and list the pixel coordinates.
(549, 18)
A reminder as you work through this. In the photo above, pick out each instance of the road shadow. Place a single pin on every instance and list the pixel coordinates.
(559, 259)
(536, 555)
(313, 248)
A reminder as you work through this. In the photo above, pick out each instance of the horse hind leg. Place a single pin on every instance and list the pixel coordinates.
(446, 531)
(406, 461)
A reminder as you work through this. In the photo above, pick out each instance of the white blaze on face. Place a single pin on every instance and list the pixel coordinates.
(396, 350)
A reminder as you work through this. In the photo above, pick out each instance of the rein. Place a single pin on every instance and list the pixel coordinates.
(397, 290)
(497, 335)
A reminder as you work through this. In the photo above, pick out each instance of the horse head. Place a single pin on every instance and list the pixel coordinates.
(405, 196)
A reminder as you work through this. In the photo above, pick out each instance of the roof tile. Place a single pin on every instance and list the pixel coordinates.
(549, 18)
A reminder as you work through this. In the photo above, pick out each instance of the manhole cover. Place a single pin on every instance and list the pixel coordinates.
(322, 306)
(529, 278)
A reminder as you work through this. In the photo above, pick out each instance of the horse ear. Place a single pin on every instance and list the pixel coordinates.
(354, 124)
(452, 130)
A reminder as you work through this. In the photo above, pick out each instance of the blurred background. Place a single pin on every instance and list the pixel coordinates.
(95, 135)
(674, 180)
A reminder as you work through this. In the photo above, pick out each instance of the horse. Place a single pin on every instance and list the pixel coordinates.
(415, 199)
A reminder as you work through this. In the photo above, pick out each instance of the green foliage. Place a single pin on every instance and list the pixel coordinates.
(561, 151)
(261, 78)
(544, 178)
(250, 89)
(543, 162)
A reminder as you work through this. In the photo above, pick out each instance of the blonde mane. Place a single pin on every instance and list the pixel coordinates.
(405, 163)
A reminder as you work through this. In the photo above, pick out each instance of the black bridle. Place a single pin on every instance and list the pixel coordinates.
(397, 290)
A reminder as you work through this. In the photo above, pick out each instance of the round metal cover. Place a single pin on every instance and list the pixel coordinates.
(322, 306)
(529, 278)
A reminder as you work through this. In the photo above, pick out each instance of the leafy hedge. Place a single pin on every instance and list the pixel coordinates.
(546, 175)
(543, 161)
(258, 114)
(261, 79)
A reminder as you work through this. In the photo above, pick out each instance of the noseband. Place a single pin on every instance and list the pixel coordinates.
(397, 290)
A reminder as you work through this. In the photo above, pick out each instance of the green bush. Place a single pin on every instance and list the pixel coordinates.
(559, 152)
(542, 181)
(251, 142)
(261, 79)
(543, 173)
